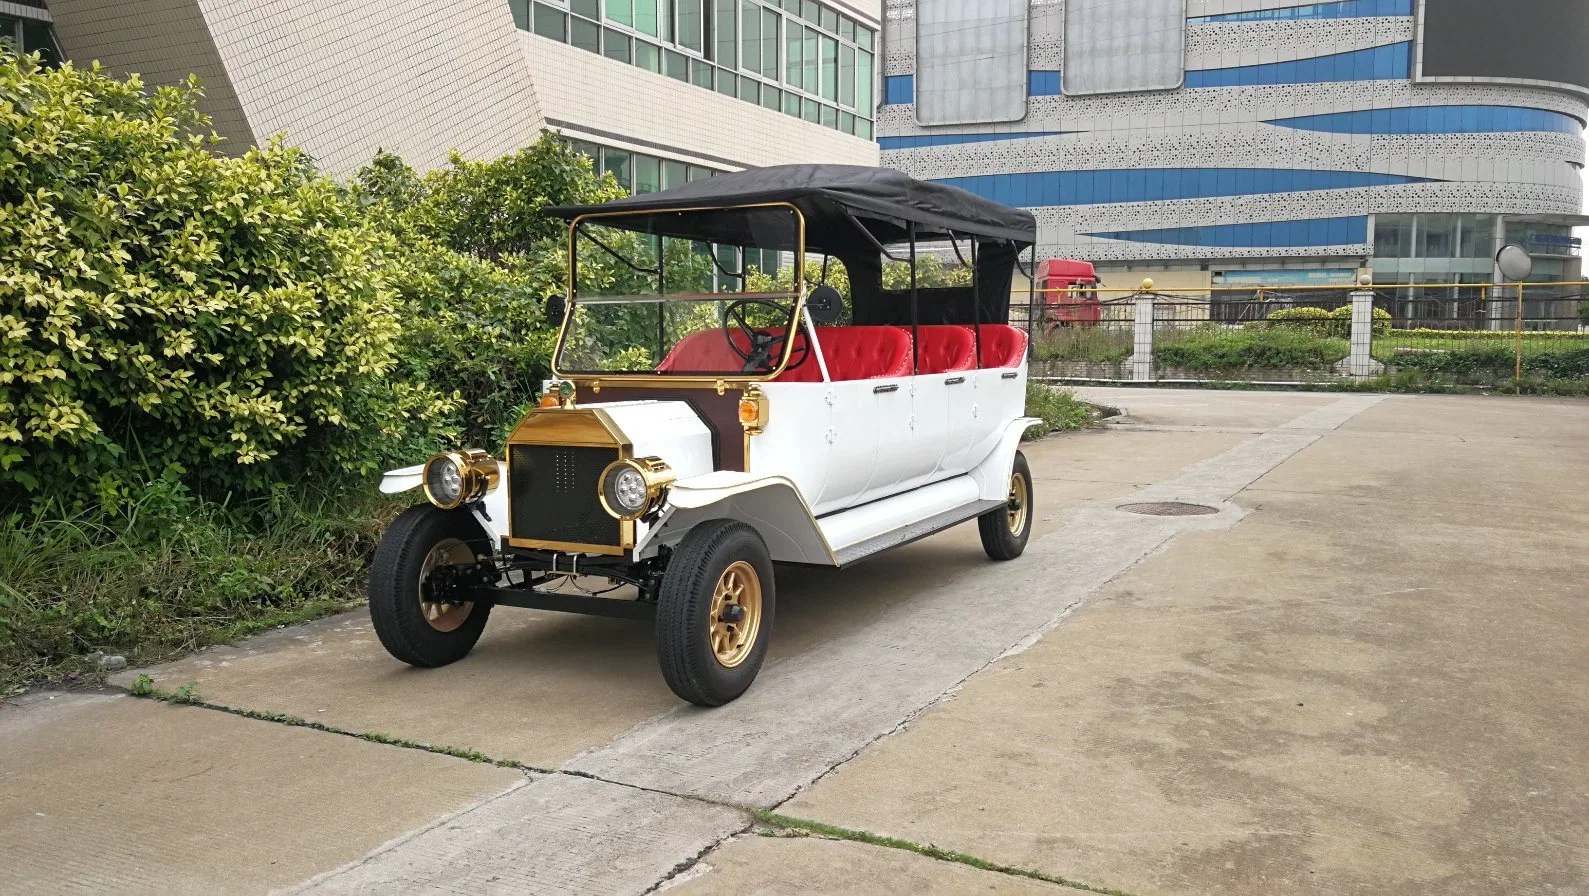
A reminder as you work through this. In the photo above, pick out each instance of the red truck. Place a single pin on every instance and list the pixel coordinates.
(1068, 291)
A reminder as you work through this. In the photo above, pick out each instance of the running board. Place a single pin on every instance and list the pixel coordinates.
(914, 531)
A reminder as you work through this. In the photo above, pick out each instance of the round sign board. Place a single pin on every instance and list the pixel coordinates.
(1514, 262)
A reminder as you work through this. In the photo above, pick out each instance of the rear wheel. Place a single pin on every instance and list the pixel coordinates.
(1005, 530)
(413, 619)
(715, 612)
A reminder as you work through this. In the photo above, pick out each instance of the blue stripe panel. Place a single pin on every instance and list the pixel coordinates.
(1044, 188)
(899, 90)
(956, 139)
(1344, 9)
(1392, 61)
(1437, 120)
(1257, 235)
(1043, 83)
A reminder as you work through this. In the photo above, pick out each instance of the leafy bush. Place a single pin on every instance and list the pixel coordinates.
(1489, 335)
(1109, 345)
(1497, 359)
(1335, 323)
(1214, 348)
(1058, 407)
(173, 313)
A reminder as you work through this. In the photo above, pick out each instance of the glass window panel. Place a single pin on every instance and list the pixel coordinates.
(585, 35)
(1478, 236)
(863, 82)
(665, 17)
(590, 9)
(726, 27)
(750, 37)
(645, 17)
(647, 174)
(769, 44)
(615, 45)
(1437, 237)
(846, 122)
(808, 60)
(589, 150)
(749, 90)
(676, 65)
(771, 97)
(701, 73)
(617, 163)
(809, 110)
(863, 37)
(863, 129)
(791, 103)
(830, 116)
(847, 76)
(692, 24)
(551, 22)
(648, 56)
(621, 11)
(794, 74)
(830, 69)
(727, 82)
(699, 173)
(846, 28)
(674, 174)
(519, 8)
(808, 11)
(829, 20)
(1393, 236)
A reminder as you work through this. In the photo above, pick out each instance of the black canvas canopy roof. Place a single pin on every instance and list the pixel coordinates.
(838, 202)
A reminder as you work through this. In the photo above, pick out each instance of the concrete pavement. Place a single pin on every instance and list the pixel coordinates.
(1366, 673)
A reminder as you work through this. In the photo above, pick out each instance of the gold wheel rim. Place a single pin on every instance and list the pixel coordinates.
(440, 615)
(1019, 503)
(736, 614)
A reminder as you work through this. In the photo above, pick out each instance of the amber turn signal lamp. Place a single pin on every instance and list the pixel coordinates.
(753, 411)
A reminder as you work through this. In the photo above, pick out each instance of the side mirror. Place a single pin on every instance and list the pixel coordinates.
(556, 309)
(825, 304)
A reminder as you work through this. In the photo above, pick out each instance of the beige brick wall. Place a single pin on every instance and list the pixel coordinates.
(163, 41)
(344, 78)
(602, 98)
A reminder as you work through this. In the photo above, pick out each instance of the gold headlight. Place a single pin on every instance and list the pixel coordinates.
(454, 478)
(630, 487)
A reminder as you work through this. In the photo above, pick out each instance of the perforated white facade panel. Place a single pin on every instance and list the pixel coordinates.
(1118, 46)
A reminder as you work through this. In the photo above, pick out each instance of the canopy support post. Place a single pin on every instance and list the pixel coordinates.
(976, 302)
(915, 340)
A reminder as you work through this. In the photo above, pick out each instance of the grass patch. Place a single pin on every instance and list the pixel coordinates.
(167, 573)
(1213, 348)
(1059, 409)
(1107, 345)
(800, 827)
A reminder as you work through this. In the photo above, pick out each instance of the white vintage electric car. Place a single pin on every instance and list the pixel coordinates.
(689, 443)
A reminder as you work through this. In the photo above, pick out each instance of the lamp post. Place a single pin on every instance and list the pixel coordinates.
(1516, 264)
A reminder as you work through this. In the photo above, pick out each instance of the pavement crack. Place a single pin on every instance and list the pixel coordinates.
(800, 827)
(684, 866)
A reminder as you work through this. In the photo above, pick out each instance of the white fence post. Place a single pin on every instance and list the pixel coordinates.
(1361, 361)
(1142, 338)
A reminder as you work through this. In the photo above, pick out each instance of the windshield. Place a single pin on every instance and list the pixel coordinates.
(645, 302)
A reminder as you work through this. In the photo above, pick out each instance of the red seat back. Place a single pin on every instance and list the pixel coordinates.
(864, 353)
(944, 349)
(1003, 346)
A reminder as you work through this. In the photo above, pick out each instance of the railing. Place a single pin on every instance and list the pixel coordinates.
(1476, 334)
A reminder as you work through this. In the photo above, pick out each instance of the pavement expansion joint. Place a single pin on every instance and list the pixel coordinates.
(789, 826)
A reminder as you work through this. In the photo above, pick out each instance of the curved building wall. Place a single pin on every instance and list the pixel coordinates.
(1294, 126)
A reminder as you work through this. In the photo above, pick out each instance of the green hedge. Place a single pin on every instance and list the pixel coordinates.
(1321, 322)
(1498, 361)
(1480, 335)
(1212, 348)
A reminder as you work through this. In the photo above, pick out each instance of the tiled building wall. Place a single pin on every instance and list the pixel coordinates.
(1242, 162)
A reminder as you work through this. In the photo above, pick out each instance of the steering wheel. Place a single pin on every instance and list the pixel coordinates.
(766, 349)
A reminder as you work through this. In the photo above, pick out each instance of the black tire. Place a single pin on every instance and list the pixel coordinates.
(685, 645)
(395, 598)
(1001, 537)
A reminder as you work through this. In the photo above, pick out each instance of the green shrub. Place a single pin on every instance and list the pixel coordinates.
(171, 312)
(1213, 348)
(1335, 323)
(1109, 345)
(1496, 359)
(1058, 407)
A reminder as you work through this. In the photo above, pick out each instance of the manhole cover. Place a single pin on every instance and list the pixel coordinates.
(1169, 508)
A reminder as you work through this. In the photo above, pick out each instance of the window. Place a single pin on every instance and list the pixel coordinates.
(1393, 236)
(1478, 237)
(551, 22)
(769, 44)
(647, 174)
(647, 56)
(847, 76)
(590, 9)
(615, 45)
(863, 83)
(584, 35)
(645, 17)
(701, 73)
(726, 27)
(1437, 236)
(808, 60)
(617, 163)
(519, 8)
(676, 65)
(621, 11)
(692, 24)
(830, 69)
(794, 73)
(674, 174)
(750, 37)
(750, 91)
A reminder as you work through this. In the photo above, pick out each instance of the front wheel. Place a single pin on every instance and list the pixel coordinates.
(1005, 530)
(715, 612)
(408, 602)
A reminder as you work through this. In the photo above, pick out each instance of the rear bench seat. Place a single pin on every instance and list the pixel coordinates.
(851, 353)
(945, 348)
(1003, 346)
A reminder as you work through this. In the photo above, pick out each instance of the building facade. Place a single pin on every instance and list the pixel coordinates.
(656, 91)
(1245, 142)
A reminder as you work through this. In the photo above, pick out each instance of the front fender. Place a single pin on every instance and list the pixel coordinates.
(491, 513)
(769, 504)
(993, 474)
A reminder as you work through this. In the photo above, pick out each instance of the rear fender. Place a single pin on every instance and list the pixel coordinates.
(491, 513)
(993, 474)
(769, 504)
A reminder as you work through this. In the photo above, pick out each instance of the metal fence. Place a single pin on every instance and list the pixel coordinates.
(1480, 334)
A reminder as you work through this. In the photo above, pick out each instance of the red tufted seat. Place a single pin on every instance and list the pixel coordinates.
(1003, 346)
(945, 349)
(852, 353)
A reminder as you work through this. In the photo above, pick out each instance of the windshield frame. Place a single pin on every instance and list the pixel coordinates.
(571, 300)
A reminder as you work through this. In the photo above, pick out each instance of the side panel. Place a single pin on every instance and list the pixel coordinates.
(929, 426)
(794, 444)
